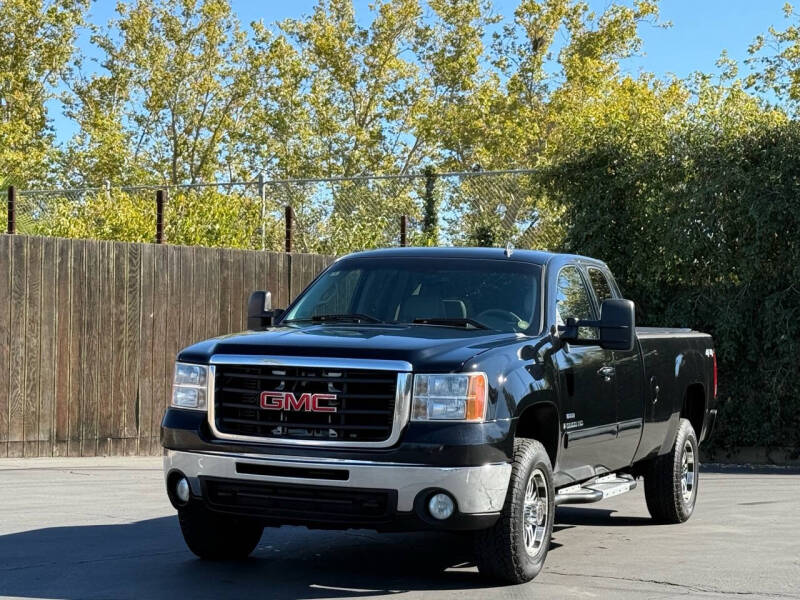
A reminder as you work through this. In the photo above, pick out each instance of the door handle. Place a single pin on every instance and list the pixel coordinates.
(606, 373)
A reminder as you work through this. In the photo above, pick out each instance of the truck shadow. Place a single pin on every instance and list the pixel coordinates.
(603, 517)
(147, 559)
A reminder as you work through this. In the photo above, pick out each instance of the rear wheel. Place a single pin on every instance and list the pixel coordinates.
(670, 483)
(218, 537)
(515, 548)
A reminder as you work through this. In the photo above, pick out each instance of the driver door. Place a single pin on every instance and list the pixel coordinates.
(586, 384)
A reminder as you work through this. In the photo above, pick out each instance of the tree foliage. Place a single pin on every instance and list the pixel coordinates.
(776, 58)
(695, 209)
(36, 44)
(172, 91)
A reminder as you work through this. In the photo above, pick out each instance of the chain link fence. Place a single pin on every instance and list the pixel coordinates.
(327, 215)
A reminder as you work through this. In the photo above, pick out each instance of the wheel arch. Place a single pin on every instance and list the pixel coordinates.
(539, 421)
(694, 407)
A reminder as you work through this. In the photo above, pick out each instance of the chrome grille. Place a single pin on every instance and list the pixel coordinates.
(364, 403)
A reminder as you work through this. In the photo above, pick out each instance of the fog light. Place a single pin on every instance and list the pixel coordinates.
(441, 506)
(182, 490)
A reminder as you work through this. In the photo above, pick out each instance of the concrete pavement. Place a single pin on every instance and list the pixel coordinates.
(103, 528)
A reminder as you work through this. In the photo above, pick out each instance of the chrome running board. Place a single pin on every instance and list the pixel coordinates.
(599, 489)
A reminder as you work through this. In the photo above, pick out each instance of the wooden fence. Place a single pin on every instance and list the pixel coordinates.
(89, 331)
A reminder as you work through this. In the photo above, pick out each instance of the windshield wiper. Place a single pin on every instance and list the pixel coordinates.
(345, 318)
(453, 322)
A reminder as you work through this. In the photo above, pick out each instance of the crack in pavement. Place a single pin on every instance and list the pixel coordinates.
(692, 588)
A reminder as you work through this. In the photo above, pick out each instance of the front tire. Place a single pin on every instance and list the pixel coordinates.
(670, 484)
(515, 548)
(218, 537)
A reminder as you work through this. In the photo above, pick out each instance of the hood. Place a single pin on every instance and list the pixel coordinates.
(426, 347)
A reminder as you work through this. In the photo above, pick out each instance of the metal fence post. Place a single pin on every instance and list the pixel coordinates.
(159, 216)
(430, 218)
(12, 201)
(288, 219)
(403, 229)
(263, 198)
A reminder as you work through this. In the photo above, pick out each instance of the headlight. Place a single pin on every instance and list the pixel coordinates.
(451, 397)
(189, 387)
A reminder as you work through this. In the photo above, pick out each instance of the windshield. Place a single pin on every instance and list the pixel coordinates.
(470, 293)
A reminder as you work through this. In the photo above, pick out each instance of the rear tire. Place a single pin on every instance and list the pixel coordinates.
(515, 548)
(671, 481)
(218, 537)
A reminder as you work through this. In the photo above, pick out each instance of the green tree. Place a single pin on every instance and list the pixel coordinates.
(363, 85)
(173, 89)
(36, 44)
(514, 104)
(275, 134)
(776, 58)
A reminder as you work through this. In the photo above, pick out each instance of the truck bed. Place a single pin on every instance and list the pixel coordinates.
(651, 332)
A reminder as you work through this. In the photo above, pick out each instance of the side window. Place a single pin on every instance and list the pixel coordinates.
(602, 290)
(572, 299)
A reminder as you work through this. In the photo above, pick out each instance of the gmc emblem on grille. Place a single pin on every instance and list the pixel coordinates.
(288, 401)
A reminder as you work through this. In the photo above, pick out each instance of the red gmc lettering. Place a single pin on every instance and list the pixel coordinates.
(288, 401)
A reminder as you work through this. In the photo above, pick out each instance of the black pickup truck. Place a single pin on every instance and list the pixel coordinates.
(428, 388)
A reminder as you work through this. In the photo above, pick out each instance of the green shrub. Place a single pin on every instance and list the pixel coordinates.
(702, 230)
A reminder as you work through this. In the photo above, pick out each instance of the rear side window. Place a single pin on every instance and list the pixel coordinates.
(600, 285)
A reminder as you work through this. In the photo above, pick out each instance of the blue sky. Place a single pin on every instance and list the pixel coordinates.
(700, 30)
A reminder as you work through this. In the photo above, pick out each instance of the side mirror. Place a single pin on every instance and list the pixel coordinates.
(617, 326)
(260, 314)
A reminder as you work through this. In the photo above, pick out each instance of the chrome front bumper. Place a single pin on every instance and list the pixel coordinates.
(477, 490)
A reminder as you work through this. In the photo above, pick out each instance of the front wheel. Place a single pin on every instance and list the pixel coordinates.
(514, 549)
(218, 537)
(670, 483)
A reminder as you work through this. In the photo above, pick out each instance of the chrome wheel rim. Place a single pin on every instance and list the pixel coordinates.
(688, 472)
(535, 513)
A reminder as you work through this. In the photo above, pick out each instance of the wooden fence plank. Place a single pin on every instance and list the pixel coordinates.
(262, 273)
(295, 276)
(160, 299)
(308, 269)
(250, 284)
(132, 325)
(197, 298)
(270, 278)
(5, 336)
(224, 291)
(280, 262)
(63, 302)
(47, 353)
(187, 301)
(16, 379)
(119, 391)
(201, 282)
(76, 361)
(174, 307)
(145, 368)
(33, 299)
(238, 317)
(210, 308)
(91, 350)
(105, 376)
